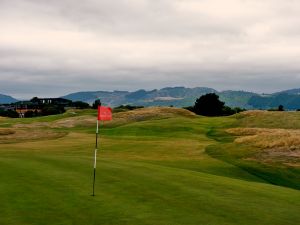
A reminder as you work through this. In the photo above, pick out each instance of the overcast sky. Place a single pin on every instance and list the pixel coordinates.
(50, 48)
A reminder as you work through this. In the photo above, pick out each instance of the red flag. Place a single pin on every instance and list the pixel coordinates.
(104, 113)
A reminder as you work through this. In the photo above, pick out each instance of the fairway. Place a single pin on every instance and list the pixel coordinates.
(156, 166)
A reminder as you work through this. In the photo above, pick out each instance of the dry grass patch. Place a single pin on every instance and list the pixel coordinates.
(120, 118)
(62, 123)
(255, 112)
(73, 122)
(144, 114)
(32, 125)
(267, 119)
(277, 145)
(268, 138)
(20, 135)
(5, 131)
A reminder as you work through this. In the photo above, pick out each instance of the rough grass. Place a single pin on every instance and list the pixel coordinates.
(268, 138)
(266, 144)
(276, 145)
(145, 114)
(5, 131)
(21, 135)
(266, 119)
(120, 118)
(151, 170)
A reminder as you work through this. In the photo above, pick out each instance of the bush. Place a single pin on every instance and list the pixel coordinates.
(9, 113)
(280, 108)
(190, 108)
(96, 104)
(238, 110)
(227, 111)
(52, 110)
(123, 108)
(209, 105)
(81, 105)
(30, 114)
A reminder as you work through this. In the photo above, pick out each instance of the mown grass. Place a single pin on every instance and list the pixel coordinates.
(154, 171)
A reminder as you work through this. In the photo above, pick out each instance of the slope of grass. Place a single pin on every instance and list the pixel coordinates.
(265, 145)
(266, 119)
(153, 171)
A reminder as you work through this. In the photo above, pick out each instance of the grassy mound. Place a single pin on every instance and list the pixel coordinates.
(266, 119)
(270, 153)
(5, 131)
(146, 114)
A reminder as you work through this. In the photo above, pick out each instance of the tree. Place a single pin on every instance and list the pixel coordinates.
(209, 105)
(227, 111)
(280, 108)
(34, 99)
(9, 113)
(52, 110)
(81, 105)
(29, 114)
(96, 104)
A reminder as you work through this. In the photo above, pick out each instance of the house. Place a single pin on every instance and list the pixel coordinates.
(6, 107)
(51, 101)
(37, 104)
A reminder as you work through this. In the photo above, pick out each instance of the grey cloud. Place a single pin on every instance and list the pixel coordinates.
(132, 44)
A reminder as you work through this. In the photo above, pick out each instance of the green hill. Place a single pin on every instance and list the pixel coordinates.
(176, 96)
(5, 99)
(153, 168)
(289, 101)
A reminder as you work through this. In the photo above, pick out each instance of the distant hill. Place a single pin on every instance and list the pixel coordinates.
(114, 98)
(295, 91)
(5, 99)
(237, 98)
(183, 97)
(176, 96)
(289, 101)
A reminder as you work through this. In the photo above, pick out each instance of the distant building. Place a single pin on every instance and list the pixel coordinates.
(7, 107)
(53, 101)
(35, 105)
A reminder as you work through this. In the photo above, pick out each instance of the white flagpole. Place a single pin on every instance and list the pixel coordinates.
(95, 157)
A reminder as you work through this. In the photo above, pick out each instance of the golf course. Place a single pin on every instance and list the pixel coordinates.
(155, 166)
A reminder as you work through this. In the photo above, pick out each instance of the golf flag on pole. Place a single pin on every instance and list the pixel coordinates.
(104, 113)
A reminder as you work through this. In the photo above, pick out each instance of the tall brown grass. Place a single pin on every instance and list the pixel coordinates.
(5, 131)
(268, 138)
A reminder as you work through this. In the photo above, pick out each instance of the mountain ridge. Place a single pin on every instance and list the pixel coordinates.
(175, 96)
(182, 97)
(6, 99)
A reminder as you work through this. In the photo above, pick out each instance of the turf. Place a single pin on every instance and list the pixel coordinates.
(154, 171)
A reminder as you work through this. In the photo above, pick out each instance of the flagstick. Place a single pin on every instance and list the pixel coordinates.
(95, 160)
